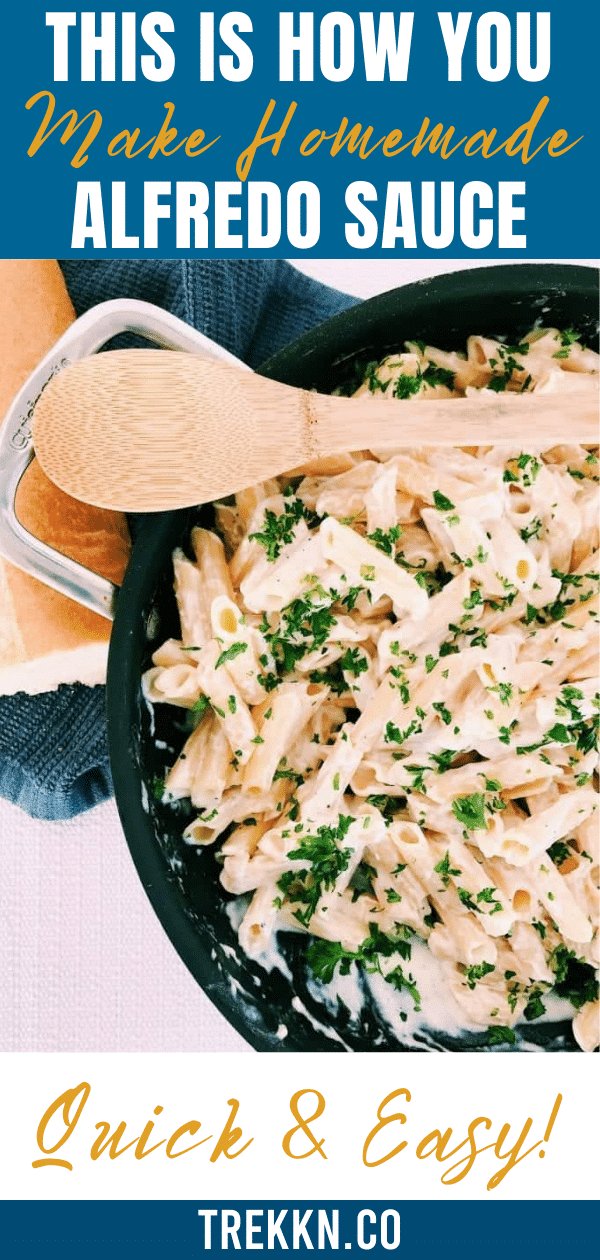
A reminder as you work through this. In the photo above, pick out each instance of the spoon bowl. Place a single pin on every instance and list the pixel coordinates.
(151, 430)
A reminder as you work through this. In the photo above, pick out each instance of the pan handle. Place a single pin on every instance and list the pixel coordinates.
(85, 336)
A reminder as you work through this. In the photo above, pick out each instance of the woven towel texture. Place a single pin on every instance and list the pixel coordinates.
(53, 750)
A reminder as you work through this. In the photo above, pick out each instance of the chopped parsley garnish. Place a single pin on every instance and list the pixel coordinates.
(157, 787)
(418, 778)
(532, 530)
(535, 1007)
(470, 811)
(556, 611)
(374, 381)
(331, 677)
(567, 703)
(466, 898)
(385, 539)
(434, 375)
(444, 713)
(279, 530)
(559, 962)
(325, 956)
(201, 705)
(473, 599)
(583, 735)
(477, 972)
(354, 661)
(445, 870)
(268, 681)
(230, 653)
(205, 818)
(567, 338)
(523, 469)
(361, 372)
(284, 771)
(574, 978)
(560, 852)
(512, 997)
(406, 386)
(504, 691)
(432, 580)
(326, 861)
(498, 383)
(393, 734)
(443, 760)
(362, 881)
(351, 596)
(305, 624)
(499, 1034)
(487, 896)
(506, 601)
(400, 981)
(509, 365)
(441, 502)
(529, 466)
(387, 805)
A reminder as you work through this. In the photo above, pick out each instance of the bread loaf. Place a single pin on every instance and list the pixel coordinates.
(45, 638)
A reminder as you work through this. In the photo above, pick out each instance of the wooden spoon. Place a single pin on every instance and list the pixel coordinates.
(147, 430)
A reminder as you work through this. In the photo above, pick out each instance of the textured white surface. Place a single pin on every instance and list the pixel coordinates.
(84, 963)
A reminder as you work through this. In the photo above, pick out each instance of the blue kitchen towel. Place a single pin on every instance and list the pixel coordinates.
(53, 748)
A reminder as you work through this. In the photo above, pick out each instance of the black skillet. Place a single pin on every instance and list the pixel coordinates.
(182, 882)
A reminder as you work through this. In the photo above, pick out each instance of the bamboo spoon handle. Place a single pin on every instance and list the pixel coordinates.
(148, 430)
(482, 419)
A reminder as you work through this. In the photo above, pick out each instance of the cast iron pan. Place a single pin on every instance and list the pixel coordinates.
(182, 882)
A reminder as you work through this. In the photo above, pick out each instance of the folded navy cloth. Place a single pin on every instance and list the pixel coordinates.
(53, 749)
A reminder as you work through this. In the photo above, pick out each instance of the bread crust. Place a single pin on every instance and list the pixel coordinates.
(37, 624)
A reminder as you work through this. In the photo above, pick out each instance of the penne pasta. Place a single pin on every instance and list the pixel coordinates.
(393, 664)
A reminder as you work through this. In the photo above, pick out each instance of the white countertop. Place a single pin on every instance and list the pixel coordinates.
(84, 962)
